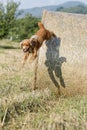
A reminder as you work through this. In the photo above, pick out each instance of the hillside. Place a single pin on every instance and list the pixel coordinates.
(37, 11)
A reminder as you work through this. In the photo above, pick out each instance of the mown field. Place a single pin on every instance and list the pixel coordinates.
(21, 108)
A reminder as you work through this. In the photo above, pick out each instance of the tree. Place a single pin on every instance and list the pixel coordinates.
(60, 8)
(2, 24)
(10, 17)
(13, 27)
(80, 9)
(27, 26)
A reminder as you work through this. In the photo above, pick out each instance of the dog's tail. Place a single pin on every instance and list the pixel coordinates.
(40, 25)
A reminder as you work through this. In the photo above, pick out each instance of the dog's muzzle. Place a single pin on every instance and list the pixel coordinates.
(30, 50)
(25, 50)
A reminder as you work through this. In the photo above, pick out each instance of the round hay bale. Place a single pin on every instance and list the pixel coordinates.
(63, 60)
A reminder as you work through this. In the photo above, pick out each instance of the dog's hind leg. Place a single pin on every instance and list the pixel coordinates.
(53, 34)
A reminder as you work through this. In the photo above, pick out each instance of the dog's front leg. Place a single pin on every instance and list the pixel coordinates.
(25, 58)
(34, 54)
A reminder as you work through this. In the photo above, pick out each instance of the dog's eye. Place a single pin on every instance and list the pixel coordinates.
(33, 43)
(27, 45)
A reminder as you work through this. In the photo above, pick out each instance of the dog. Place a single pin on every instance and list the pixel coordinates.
(33, 44)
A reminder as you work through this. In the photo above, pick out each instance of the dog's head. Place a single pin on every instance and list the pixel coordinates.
(25, 44)
(28, 45)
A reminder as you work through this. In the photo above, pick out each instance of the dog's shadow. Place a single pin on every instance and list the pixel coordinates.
(54, 62)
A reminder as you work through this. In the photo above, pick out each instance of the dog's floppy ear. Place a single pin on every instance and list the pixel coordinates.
(33, 42)
(21, 44)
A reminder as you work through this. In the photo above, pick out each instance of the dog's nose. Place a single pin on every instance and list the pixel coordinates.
(24, 47)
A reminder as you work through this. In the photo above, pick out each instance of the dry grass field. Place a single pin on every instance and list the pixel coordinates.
(21, 108)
